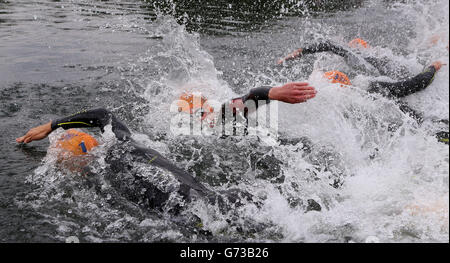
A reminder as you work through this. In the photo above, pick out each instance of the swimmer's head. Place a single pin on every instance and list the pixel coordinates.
(75, 143)
(337, 77)
(194, 104)
(358, 43)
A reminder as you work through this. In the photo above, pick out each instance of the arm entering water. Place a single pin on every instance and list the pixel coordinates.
(292, 93)
(353, 60)
(325, 46)
(93, 118)
(84, 119)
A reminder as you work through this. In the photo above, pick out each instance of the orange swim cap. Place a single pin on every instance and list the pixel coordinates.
(76, 143)
(358, 43)
(195, 102)
(337, 77)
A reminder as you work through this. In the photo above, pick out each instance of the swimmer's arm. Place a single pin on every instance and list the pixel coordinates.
(325, 46)
(97, 118)
(424, 79)
(36, 134)
(407, 87)
(83, 119)
(292, 93)
(93, 118)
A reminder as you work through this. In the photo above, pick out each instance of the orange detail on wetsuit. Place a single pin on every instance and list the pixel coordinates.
(357, 43)
(337, 77)
(76, 143)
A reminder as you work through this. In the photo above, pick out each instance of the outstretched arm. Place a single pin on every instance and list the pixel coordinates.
(353, 60)
(325, 46)
(293, 93)
(84, 119)
(36, 134)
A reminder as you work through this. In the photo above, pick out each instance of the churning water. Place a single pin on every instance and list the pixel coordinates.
(348, 179)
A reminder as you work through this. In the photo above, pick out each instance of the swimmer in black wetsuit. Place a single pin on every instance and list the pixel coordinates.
(101, 118)
(224, 116)
(357, 60)
(154, 197)
(376, 66)
(382, 66)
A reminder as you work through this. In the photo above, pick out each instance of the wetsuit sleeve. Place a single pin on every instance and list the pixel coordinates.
(325, 47)
(404, 88)
(93, 118)
(353, 60)
(246, 104)
(257, 94)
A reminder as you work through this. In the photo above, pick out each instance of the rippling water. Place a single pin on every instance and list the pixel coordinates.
(135, 57)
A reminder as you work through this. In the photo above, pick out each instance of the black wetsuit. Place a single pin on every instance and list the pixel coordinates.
(369, 64)
(256, 96)
(390, 89)
(154, 197)
(393, 90)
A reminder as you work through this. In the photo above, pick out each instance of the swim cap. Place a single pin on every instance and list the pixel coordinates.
(76, 143)
(358, 43)
(196, 103)
(337, 77)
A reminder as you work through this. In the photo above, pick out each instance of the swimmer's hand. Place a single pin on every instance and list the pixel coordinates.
(36, 134)
(297, 92)
(438, 65)
(293, 55)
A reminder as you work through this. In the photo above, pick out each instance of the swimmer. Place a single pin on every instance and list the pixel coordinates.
(393, 90)
(75, 143)
(356, 57)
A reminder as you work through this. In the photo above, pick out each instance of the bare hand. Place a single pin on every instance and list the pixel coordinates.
(36, 134)
(438, 65)
(297, 92)
(291, 56)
